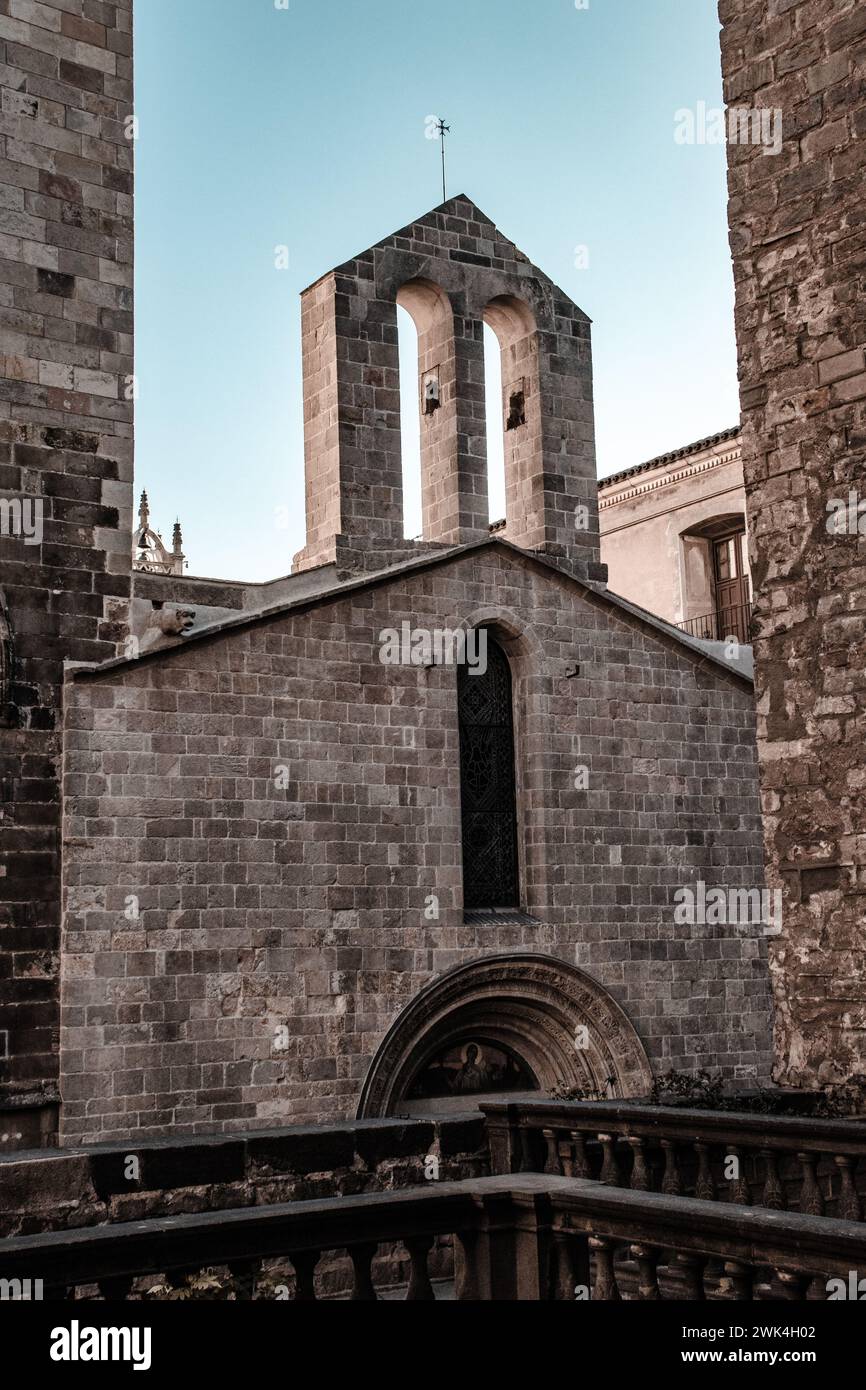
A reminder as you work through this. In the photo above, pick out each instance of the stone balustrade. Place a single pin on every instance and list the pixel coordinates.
(520, 1237)
(643, 1245)
(793, 1163)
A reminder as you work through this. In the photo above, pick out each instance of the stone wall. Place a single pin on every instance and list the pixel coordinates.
(799, 247)
(66, 285)
(256, 823)
(77, 1188)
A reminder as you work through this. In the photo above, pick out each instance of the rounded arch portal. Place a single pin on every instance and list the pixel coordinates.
(555, 1020)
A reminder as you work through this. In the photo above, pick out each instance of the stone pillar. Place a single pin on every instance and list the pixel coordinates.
(551, 490)
(352, 454)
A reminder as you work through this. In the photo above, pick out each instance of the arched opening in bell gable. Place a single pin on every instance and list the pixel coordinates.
(514, 420)
(428, 379)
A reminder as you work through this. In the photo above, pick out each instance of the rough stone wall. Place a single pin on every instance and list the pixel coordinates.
(209, 906)
(799, 247)
(66, 253)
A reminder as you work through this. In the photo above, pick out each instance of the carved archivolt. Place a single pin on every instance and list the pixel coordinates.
(561, 1021)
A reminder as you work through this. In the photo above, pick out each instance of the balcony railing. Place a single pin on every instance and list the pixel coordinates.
(721, 625)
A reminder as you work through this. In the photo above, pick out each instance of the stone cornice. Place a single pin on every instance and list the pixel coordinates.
(626, 491)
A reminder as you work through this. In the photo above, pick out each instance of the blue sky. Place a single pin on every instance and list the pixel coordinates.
(304, 127)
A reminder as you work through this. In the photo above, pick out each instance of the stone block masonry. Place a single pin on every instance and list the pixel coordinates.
(66, 421)
(797, 234)
(256, 824)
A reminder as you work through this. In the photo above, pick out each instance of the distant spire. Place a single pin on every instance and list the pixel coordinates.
(150, 553)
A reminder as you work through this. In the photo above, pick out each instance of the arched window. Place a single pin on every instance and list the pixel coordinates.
(487, 783)
(716, 588)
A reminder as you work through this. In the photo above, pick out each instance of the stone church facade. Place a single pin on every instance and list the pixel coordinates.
(256, 870)
(281, 900)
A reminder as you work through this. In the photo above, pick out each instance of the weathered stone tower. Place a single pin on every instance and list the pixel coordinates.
(66, 420)
(452, 271)
(797, 239)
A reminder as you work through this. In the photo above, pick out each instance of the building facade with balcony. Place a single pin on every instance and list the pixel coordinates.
(674, 537)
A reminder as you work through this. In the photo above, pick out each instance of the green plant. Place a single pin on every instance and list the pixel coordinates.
(564, 1092)
(204, 1287)
(697, 1088)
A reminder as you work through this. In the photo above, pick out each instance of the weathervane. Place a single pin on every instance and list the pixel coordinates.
(443, 130)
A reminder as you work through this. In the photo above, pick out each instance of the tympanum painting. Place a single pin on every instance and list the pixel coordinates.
(472, 1068)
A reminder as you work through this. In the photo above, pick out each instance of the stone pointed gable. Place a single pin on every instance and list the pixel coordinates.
(453, 271)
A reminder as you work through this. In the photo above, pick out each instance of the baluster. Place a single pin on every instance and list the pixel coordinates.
(466, 1286)
(793, 1286)
(363, 1288)
(811, 1200)
(774, 1194)
(580, 1165)
(420, 1289)
(640, 1176)
(526, 1164)
(739, 1191)
(610, 1174)
(647, 1257)
(564, 1278)
(671, 1182)
(692, 1267)
(850, 1208)
(742, 1278)
(116, 1289)
(605, 1289)
(552, 1164)
(304, 1264)
(705, 1186)
(245, 1274)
